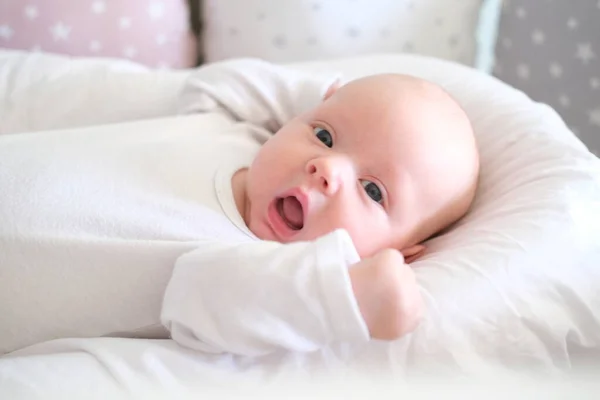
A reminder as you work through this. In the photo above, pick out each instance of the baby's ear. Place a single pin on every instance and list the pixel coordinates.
(332, 89)
(412, 253)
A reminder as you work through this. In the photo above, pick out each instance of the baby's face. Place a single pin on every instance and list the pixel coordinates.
(362, 161)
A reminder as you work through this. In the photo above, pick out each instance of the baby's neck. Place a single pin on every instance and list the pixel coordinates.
(238, 187)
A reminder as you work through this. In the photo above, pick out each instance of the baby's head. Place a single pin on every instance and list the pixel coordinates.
(389, 158)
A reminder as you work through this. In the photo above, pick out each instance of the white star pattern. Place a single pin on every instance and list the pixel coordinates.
(95, 46)
(125, 23)
(130, 52)
(556, 70)
(572, 23)
(6, 32)
(595, 117)
(99, 7)
(156, 10)
(523, 71)
(60, 31)
(595, 83)
(564, 101)
(538, 37)
(161, 39)
(585, 52)
(31, 12)
(521, 12)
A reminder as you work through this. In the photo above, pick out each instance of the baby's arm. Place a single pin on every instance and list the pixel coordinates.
(260, 297)
(254, 91)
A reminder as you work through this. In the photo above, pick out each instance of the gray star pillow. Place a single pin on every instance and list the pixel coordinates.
(550, 49)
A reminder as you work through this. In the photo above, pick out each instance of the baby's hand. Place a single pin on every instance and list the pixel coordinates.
(387, 294)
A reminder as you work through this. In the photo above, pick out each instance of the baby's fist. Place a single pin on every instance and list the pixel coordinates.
(388, 297)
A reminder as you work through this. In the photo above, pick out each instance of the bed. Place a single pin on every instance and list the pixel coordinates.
(513, 288)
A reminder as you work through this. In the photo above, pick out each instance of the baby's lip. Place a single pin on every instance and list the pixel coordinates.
(295, 221)
(283, 229)
(302, 198)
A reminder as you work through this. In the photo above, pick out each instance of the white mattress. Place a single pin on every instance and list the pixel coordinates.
(50, 92)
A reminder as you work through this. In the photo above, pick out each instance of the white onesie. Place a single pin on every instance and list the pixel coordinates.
(117, 230)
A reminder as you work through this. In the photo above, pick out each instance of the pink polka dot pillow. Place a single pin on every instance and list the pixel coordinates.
(152, 32)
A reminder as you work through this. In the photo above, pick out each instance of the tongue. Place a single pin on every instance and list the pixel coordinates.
(293, 211)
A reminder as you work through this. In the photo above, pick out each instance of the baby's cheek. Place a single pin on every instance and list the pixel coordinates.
(326, 222)
(368, 237)
(363, 241)
(363, 230)
(356, 228)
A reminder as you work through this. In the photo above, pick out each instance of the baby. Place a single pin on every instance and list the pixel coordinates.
(390, 159)
(287, 230)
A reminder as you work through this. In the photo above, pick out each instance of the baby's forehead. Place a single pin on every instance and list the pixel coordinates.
(392, 93)
(411, 124)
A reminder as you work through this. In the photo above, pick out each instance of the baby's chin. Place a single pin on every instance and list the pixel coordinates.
(264, 232)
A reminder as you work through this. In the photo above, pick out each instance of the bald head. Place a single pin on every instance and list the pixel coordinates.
(439, 153)
(391, 159)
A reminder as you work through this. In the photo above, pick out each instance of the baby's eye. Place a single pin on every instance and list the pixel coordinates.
(324, 136)
(372, 190)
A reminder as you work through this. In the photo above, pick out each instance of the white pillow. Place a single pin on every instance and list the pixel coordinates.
(294, 30)
(516, 282)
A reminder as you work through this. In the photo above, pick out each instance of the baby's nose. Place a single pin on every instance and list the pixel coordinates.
(328, 173)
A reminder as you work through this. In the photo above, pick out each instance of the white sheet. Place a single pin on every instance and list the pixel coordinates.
(537, 308)
(155, 369)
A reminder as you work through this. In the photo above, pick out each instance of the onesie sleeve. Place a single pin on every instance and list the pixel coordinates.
(260, 297)
(253, 91)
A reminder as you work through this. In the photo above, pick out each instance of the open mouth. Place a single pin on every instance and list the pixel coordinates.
(291, 212)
